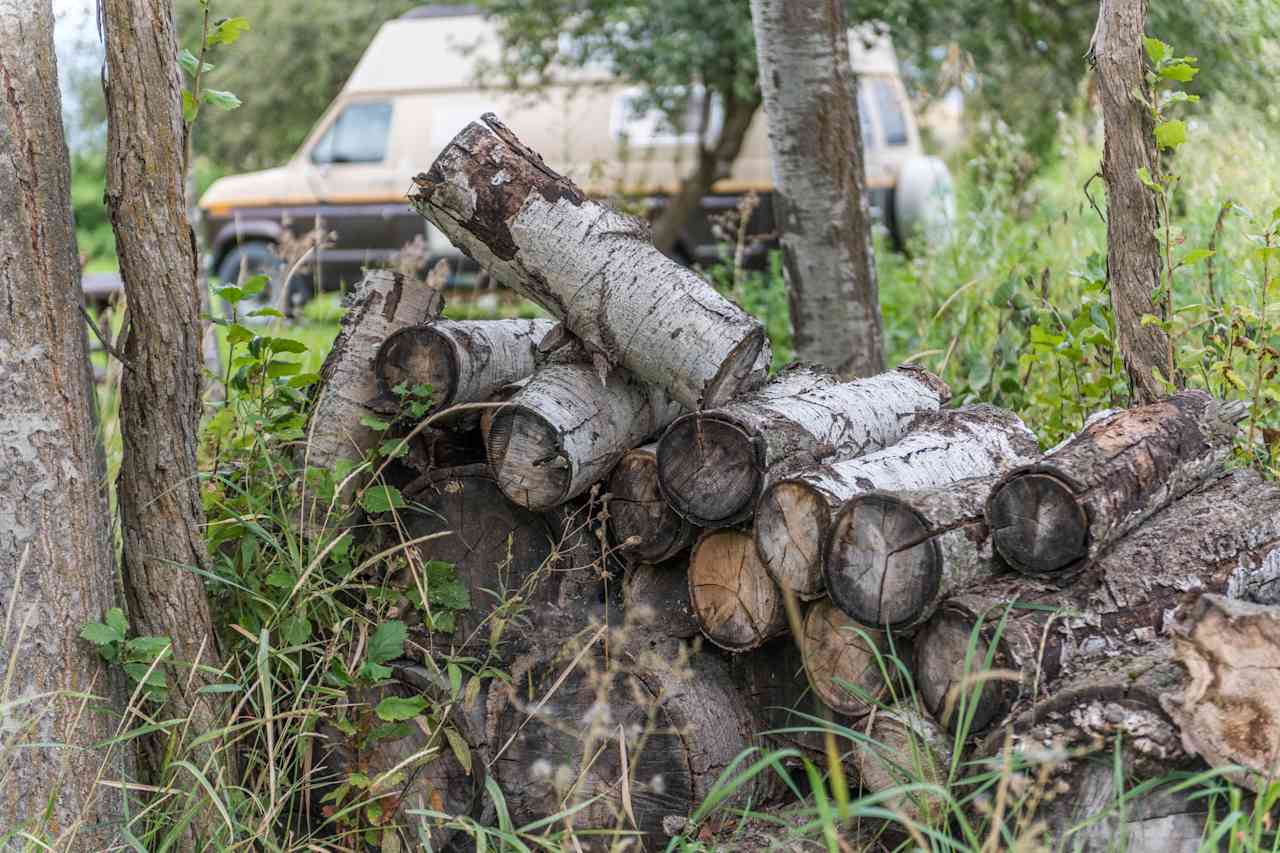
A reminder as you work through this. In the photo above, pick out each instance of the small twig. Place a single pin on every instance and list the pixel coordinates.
(106, 345)
(1093, 203)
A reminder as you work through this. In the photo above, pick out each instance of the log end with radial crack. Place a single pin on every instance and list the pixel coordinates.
(737, 604)
(791, 524)
(846, 662)
(1227, 711)
(643, 525)
(710, 468)
(1038, 525)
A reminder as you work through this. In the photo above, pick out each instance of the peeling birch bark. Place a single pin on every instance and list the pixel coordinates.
(565, 430)
(1227, 709)
(644, 527)
(713, 464)
(464, 361)
(794, 514)
(1205, 542)
(593, 268)
(1054, 517)
(737, 604)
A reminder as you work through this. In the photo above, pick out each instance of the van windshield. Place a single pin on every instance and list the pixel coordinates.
(892, 118)
(357, 135)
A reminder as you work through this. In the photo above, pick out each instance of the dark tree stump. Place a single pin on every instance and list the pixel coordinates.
(643, 526)
(656, 600)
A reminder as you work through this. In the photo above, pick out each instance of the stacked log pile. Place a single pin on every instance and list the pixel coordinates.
(778, 551)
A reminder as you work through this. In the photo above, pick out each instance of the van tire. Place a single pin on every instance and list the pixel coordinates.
(259, 257)
(922, 202)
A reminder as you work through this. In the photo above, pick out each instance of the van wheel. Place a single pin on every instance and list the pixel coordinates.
(259, 258)
(923, 202)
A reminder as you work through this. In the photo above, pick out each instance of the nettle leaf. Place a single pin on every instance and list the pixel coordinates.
(100, 634)
(221, 99)
(1170, 134)
(227, 31)
(115, 620)
(381, 498)
(387, 642)
(395, 709)
(444, 588)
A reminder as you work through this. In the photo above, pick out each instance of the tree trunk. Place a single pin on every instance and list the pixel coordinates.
(464, 361)
(1107, 721)
(159, 488)
(714, 164)
(591, 267)
(644, 527)
(1052, 518)
(57, 570)
(713, 464)
(1133, 254)
(565, 430)
(737, 604)
(820, 196)
(383, 303)
(893, 557)
(1204, 542)
(573, 726)
(846, 662)
(794, 514)
(1226, 710)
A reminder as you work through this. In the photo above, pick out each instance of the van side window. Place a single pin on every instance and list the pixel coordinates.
(864, 117)
(358, 135)
(892, 118)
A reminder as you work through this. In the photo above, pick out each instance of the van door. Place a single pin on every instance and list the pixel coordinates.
(350, 168)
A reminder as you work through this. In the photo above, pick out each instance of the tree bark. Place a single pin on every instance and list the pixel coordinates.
(383, 303)
(57, 569)
(591, 267)
(736, 602)
(820, 195)
(159, 490)
(1204, 542)
(794, 514)
(464, 361)
(1133, 254)
(1052, 518)
(565, 430)
(713, 464)
(1226, 710)
(644, 527)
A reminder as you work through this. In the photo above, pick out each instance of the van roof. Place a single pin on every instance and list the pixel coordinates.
(437, 47)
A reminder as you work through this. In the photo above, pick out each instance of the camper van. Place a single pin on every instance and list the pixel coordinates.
(416, 86)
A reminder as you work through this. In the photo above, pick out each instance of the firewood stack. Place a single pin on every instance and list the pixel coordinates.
(778, 537)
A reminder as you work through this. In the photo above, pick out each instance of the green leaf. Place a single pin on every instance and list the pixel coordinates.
(297, 630)
(394, 709)
(153, 679)
(238, 334)
(190, 107)
(189, 62)
(255, 284)
(1145, 177)
(381, 498)
(1170, 134)
(227, 31)
(100, 634)
(373, 423)
(267, 312)
(220, 99)
(1195, 256)
(115, 620)
(288, 345)
(276, 369)
(444, 589)
(149, 648)
(281, 579)
(1156, 49)
(387, 642)
(1180, 71)
(460, 748)
(230, 293)
(302, 380)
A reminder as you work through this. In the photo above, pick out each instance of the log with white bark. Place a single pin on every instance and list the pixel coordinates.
(643, 525)
(1100, 736)
(847, 664)
(1224, 538)
(794, 514)
(713, 464)
(892, 557)
(1226, 710)
(1052, 518)
(565, 430)
(464, 361)
(735, 601)
(381, 304)
(593, 268)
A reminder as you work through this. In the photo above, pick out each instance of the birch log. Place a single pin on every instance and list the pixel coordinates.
(593, 268)
(1053, 517)
(904, 747)
(644, 527)
(1205, 542)
(1227, 709)
(713, 464)
(464, 361)
(736, 602)
(847, 664)
(381, 304)
(794, 514)
(892, 557)
(565, 430)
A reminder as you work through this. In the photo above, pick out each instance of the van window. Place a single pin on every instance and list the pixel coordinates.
(892, 118)
(864, 117)
(358, 135)
(632, 125)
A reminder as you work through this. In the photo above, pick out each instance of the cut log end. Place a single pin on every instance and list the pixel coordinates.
(528, 459)
(790, 522)
(417, 355)
(905, 748)
(882, 568)
(1038, 525)
(843, 660)
(737, 604)
(948, 659)
(739, 372)
(708, 470)
(643, 525)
